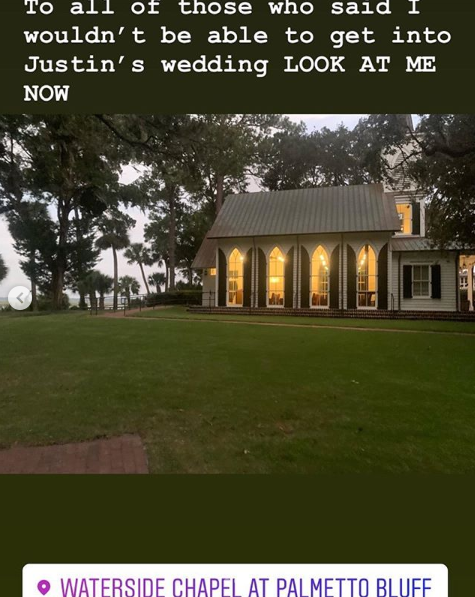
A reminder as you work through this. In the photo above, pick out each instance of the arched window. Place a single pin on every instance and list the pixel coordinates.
(276, 278)
(367, 282)
(235, 279)
(319, 279)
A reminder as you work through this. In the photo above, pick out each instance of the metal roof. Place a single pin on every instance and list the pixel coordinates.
(407, 243)
(361, 208)
(206, 256)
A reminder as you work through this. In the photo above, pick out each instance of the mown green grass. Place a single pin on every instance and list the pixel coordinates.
(237, 398)
(392, 324)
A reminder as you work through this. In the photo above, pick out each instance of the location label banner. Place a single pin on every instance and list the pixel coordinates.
(235, 580)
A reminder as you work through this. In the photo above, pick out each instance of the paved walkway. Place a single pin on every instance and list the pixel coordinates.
(302, 325)
(129, 312)
(119, 455)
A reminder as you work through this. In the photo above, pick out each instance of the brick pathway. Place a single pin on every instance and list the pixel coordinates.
(119, 455)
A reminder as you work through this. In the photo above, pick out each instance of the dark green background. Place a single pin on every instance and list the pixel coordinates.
(245, 519)
(398, 519)
(446, 91)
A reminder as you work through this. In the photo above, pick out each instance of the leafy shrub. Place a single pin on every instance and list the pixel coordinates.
(45, 302)
(180, 297)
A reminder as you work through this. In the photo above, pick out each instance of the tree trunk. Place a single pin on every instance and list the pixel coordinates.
(167, 275)
(64, 209)
(93, 299)
(57, 286)
(219, 193)
(82, 300)
(144, 279)
(116, 279)
(172, 237)
(190, 276)
(79, 265)
(34, 296)
(61, 259)
(102, 302)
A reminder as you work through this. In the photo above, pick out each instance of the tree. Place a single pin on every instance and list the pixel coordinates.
(29, 223)
(104, 285)
(73, 166)
(96, 282)
(129, 286)
(286, 159)
(157, 279)
(13, 159)
(113, 230)
(228, 151)
(440, 160)
(71, 162)
(294, 159)
(138, 253)
(163, 188)
(3, 269)
(83, 253)
(165, 145)
(34, 239)
(193, 227)
(157, 233)
(445, 171)
(88, 286)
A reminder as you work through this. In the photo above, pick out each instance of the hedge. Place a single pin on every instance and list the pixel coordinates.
(180, 297)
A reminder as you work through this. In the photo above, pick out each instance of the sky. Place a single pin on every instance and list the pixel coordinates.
(16, 277)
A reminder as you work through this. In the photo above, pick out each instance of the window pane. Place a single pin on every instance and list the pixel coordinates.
(404, 211)
(421, 280)
(235, 278)
(319, 278)
(275, 284)
(367, 277)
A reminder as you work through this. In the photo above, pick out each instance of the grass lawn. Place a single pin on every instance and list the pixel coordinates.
(239, 398)
(427, 326)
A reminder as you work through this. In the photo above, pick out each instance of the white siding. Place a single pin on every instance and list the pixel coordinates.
(209, 286)
(447, 263)
(343, 302)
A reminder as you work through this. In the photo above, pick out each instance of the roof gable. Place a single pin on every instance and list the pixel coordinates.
(206, 256)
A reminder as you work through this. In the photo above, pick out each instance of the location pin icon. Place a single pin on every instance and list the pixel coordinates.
(44, 587)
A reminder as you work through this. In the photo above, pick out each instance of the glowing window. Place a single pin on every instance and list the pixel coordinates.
(276, 278)
(212, 271)
(404, 211)
(319, 278)
(367, 277)
(235, 279)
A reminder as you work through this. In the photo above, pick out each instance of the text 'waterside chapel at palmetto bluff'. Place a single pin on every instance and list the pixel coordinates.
(337, 248)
